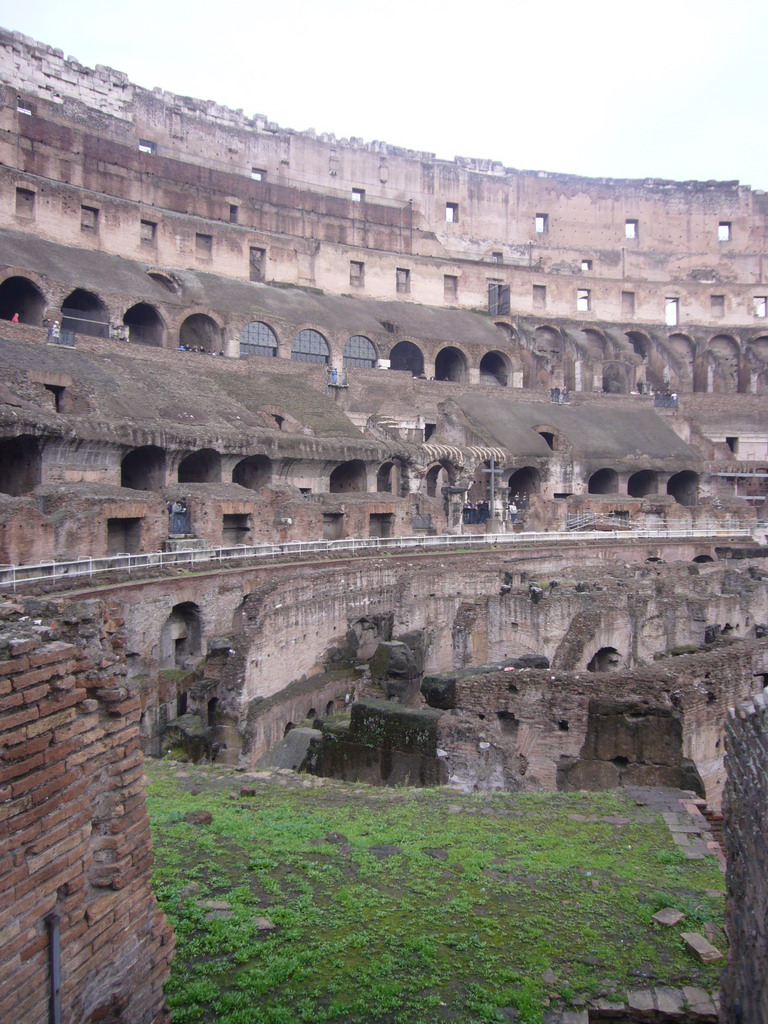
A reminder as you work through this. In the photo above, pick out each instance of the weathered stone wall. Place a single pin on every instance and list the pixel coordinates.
(745, 983)
(74, 833)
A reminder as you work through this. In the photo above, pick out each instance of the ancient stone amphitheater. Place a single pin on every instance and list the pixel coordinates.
(274, 402)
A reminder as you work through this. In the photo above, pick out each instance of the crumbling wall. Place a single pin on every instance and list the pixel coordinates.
(745, 982)
(74, 834)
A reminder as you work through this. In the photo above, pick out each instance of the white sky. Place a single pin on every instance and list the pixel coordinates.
(606, 88)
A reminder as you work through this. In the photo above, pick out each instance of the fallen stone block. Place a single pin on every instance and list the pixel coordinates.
(700, 948)
(668, 916)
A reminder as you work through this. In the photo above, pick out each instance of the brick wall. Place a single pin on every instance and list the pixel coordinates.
(745, 982)
(74, 832)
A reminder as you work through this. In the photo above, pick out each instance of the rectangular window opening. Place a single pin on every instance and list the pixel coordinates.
(760, 305)
(733, 444)
(22, 107)
(358, 195)
(25, 202)
(235, 529)
(89, 218)
(497, 257)
(631, 229)
(148, 231)
(586, 266)
(717, 305)
(539, 296)
(123, 536)
(583, 300)
(541, 223)
(145, 146)
(671, 311)
(257, 262)
(450, 287)
(627, 303)
(403, 280)
(452, 213)
(498, 298)
(724, 231)
(356, 274)
(257, 174)
(233, 213)
(203, 245)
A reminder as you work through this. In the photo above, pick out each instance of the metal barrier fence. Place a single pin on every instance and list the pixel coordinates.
(15, 575)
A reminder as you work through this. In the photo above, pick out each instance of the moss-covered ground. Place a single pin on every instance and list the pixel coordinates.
(402, 906)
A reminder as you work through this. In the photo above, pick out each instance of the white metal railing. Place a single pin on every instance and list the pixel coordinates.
(53, 572)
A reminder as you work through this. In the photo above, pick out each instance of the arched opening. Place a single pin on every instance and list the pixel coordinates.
(684, 488)
(349, 476)
(83, 312)
(330, 707)
(607, 659)
(309, 346)
(703, 558)
(143, 469)
(408, 357)
(145, 325)
(604, 481)
(437, 477)
(18, 295)
(360, 352)
(615, 378)
(548, 346)
(681, 348)
(451, 364)
(640, 344)
(253, 472)
(287, 729)
(20, 464)
(386, 478)
(201, 467)
(181, 635)
(258, 339)
(522, 484)
(643, 483)
(723, 365)
(495, 369)
(200, 333)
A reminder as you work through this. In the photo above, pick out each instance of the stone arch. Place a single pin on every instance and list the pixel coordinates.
(200, 331)
(200, 467)
(258, 339)
(20, 295)
(360, 352)
(181, 636)
(143, 469)
(20, 464)
(723, 364)
(641, 345)
(451, 365)
(548, 345)
(386, 482)
(757, 369)
(603, 481)
(525, 482)
(495, 369)
(438, 475)
(682, 349)
(607, 659)
(684, 488)
(349, 477)
(703, 558)
(145, 325)
(310, 346)
(617, 378)
(83, 312)
(643, 483)
(595, 343)
(408, 357)
(253, 472)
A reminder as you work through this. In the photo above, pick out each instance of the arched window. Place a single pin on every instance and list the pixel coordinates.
(359, 351)
(84, 313)
(495, 369)
(144, 323)
(201, 467)
(309, 346)
(407, 356)
(143, 469)
(604, 481)
(348, 476)
(257, 339)
(450, 364)
(22, 297)
(200, 331)
(684, 488)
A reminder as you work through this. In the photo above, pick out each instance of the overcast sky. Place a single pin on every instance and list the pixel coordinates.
(658, 88)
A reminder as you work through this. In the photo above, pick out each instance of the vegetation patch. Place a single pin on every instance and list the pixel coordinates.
(311, 900)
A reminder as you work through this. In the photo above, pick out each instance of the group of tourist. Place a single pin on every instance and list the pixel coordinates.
(559, 395)
(198, 348)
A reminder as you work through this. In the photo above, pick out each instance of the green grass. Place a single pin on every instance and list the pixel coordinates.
(413, 938)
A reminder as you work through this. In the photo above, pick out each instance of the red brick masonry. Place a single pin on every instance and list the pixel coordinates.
(74, 832)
